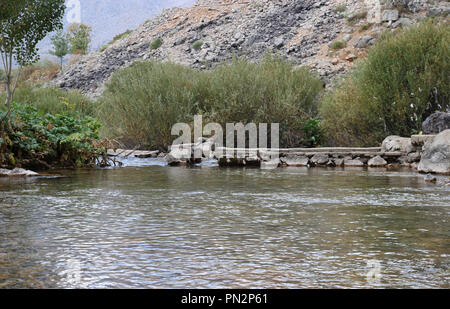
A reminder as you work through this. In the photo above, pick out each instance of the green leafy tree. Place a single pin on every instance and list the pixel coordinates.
(23, 24)
(60, 42)
(80, 38)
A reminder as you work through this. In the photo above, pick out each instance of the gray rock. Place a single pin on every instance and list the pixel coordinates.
(395, 143)
(279, 42)
(364, 41)
(377, 162)
(354, 163)
(178, 156)
(339, 162)
(347, 37)
(293, 160)
(436, 156)
(421, 140)
(320, 159)
(272, 164)
(414, 157)
(389, 15)
(17, 172)
(436, 123)
(430, 178)
(402, 22)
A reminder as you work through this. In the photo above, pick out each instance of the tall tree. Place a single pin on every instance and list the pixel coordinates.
(23, 24)
(80, 38)
(60, 42)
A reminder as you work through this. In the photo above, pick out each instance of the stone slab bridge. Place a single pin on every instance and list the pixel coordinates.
(395, 151)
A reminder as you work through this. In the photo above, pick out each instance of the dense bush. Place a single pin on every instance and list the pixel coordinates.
(144, 101)
(53, 100)
(403, 80)
(336, 45)
(272, 91)
(197, 45)
(157, 43)
(42, 71)
(33, 139)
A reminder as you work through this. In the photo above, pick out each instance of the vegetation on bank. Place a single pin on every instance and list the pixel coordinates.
(33, 139)
(54, 100)
(144, 101)
(403, 80)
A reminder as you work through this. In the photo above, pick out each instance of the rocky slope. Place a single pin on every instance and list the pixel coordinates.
(301, 30)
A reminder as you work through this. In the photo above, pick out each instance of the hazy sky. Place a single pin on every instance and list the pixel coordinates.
(111, 17)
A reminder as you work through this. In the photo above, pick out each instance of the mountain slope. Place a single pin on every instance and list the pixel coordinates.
(301, 30)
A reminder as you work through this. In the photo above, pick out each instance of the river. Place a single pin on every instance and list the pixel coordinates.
(150, 226)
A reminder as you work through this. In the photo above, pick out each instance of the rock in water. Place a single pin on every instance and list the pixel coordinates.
(269, 165)
(377, 162)
(320, 159)
(436, 123)
(178, 156)
(353, 163)
(430, 178)
(436, 156)
(17, 172)
(293, 160)
(395, 143)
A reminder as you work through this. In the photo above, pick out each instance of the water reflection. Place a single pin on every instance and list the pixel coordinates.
(160, 227)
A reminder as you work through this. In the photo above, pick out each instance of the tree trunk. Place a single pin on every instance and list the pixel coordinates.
(8, 91)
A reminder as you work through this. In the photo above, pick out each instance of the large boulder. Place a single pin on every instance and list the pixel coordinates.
(390, 15)
(295, 160)
(436, 156)
(396, 143)
(364, 41)
(436, 123)
(377, 162)
(320, 159)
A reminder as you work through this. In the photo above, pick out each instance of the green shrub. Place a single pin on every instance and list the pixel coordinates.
(353, 18)
(2, 75)
(365, 27)
(271, 91)
(403, 80)
(197, 45)
(156, 44)
(144, 101)
(336, 45)
(340, 8)
(36, 140)
(53, 100)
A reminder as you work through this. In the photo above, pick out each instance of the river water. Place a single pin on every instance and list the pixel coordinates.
(150, 226)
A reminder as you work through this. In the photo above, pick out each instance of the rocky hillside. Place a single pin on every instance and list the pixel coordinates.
(328, 35)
